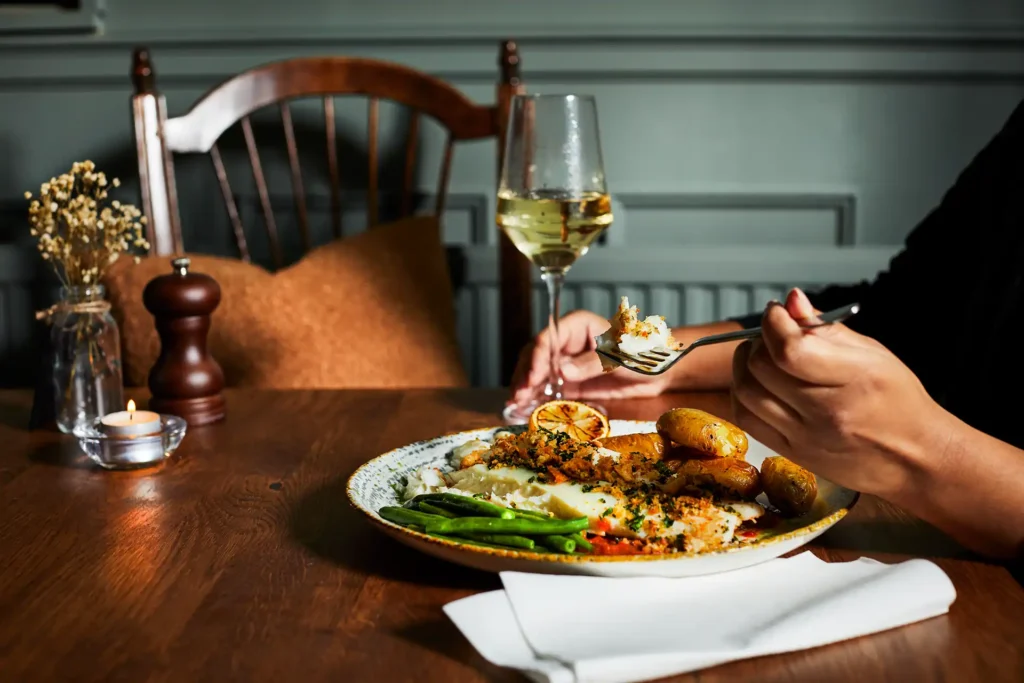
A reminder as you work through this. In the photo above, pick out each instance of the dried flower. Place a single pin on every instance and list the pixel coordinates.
(80, 236)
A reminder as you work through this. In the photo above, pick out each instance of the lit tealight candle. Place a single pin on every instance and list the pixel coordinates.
(130, 423)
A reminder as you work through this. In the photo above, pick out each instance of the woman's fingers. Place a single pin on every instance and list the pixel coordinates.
(797, 394)
(758, 428)
(617, 384)
(576, 341)
(766, 403)
(577, 370)
(581, 368)
(800, 307)
(576, 336)
(818, 356)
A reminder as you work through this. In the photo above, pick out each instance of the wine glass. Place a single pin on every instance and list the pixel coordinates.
(552, 202)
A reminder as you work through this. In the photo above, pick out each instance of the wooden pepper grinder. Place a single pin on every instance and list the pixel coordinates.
(185, 380)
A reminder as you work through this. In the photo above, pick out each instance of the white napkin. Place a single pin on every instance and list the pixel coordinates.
(582, 629)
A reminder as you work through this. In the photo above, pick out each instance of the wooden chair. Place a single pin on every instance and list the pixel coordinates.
(158, 138)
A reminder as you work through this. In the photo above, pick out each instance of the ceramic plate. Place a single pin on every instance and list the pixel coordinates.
(372, 487)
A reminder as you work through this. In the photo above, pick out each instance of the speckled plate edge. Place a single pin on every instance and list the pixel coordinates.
(638, 425)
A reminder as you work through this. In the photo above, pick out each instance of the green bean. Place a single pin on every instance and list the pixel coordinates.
(417, 520)
(520, 526)
(408, 517)
(509, 540)
(470, 541)
(435, 510)
(531, 514)
(563, 544)
(582, 543)
(466, 505)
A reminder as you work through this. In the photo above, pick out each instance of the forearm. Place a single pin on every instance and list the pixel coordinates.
(971, 486)
(707, 368)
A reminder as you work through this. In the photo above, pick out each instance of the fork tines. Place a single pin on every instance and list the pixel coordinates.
(621, 357)
(650, 359)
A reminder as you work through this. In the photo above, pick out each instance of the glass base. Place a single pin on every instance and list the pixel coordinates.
(519, 413)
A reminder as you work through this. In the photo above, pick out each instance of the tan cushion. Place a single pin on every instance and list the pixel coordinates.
(373, 310)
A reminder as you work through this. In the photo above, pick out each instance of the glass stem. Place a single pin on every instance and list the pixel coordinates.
(554, 279)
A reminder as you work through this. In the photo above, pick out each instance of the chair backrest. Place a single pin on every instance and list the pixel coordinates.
(198, 131)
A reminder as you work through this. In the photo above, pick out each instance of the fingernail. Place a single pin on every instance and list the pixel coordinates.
(800, 295)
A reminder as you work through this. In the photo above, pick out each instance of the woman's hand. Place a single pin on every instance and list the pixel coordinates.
(844, 407)
(707, 368)
(581, 367)
(836, 402)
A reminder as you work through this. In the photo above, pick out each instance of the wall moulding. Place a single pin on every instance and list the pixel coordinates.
(795, 39)
(192, 22)
(40, 20)
(838, 209)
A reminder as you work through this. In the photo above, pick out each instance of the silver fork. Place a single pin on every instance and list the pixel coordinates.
(658, 361)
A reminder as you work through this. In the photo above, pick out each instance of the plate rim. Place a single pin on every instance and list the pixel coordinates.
(531, 555)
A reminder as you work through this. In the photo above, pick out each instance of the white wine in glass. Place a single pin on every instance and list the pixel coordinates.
(552, 228)
(552, 202)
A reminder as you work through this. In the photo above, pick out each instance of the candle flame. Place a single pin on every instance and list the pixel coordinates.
(131, 406)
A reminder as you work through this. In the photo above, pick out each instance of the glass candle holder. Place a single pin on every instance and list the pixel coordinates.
(125, 452)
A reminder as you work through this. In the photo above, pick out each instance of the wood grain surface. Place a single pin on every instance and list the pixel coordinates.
(240, 559)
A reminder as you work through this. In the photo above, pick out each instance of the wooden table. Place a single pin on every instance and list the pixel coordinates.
(240, 559)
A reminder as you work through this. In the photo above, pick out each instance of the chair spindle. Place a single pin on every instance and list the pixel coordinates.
(261, 188)
(293, 162)
(229, 202)
(332, 163)
(371, 185)
(442, 182)
(410, 163)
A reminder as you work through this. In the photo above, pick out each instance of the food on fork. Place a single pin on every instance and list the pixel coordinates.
(789, 487)
(703, 433)
(632, 336)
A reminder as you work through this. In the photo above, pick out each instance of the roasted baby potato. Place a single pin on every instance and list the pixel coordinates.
(789, 487)
(703, 432)
(648, 445)
(721, 476)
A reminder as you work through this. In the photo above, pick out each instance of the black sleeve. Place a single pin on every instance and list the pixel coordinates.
(931, 278)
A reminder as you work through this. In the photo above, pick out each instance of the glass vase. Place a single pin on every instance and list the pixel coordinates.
(86, 358)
